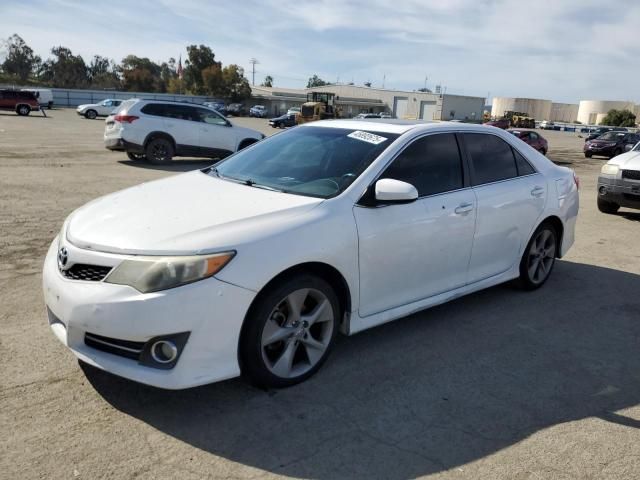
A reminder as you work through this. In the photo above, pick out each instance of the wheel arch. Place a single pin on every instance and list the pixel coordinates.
(18, 105)
(245, 142)
(323, 270)
(558, 226)
(158, 134)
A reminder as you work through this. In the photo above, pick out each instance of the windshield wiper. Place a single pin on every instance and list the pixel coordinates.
(252, 183)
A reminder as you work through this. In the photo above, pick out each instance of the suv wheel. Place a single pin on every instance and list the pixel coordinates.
(159, 151)
(135, 156)
(616, 152)
(91, 114)
(588, 154)
(23, 110)
(607, 207)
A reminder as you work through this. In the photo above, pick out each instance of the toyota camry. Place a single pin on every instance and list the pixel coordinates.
(254, 265)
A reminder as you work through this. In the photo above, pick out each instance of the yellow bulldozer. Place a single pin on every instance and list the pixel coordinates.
(520, 119)
(319, 106)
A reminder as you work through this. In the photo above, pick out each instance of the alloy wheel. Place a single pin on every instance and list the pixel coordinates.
(297, 333)
(542, 254)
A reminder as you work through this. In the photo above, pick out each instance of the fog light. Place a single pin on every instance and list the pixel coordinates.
(164, 351)
(602, 190)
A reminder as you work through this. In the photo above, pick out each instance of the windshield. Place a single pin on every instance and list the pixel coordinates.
(637, 147)
(612, 136)
(311, 161)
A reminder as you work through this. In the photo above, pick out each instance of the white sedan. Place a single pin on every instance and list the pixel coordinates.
(102, 109)
(256, 264)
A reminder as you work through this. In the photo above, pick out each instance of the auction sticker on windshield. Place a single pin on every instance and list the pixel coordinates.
(367, 137)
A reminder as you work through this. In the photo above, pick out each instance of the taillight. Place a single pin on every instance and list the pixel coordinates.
(576, 179)
(125, 118)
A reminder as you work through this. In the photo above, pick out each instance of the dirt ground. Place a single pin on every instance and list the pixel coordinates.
(499, 384)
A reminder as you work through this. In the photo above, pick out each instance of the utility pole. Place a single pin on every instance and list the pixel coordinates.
(425, 82)
(384, 78)
(253, 62)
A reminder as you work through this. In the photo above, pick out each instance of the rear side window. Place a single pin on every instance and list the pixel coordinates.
(492, 158)
(524, 167)
(182, 112)
(432, 164)
(156, 109)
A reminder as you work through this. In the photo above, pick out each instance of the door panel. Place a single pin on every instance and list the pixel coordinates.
(214, 132)
(413, 251)
(182, 123)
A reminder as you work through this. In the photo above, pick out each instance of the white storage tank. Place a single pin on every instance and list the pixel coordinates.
(533, 107)
(591, 111)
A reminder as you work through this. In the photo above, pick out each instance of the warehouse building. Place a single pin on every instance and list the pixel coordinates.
(352, 100)
(592, 112)
(533, 107)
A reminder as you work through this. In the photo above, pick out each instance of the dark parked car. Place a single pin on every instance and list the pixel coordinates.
(602, 130)
(237, 110)
(610, 144)
(219, 107)
(18, 101)
(503, 123)
(532, 138)
(286, 120)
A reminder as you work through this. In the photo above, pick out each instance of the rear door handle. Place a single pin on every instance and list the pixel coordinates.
(537, 191)
(464, 208)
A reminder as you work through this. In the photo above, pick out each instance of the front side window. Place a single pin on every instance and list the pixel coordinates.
(312, 161)
(212, 118)
(432, 164)
(492, 158)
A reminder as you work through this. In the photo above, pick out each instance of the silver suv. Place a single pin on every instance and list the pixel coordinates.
(158, 130)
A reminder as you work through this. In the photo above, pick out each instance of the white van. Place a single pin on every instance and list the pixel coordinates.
(44, 96)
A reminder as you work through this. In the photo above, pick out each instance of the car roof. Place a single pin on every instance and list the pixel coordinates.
(397, 126)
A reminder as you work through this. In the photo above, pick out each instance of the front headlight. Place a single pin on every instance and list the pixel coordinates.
(610, 169)
(151, 274)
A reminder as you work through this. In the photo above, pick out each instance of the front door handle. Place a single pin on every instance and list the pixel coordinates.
(537, 191)
(464, 208)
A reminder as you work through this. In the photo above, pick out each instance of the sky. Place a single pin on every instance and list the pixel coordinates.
(561, 50)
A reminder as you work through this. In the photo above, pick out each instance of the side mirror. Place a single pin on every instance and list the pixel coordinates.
(395, 191)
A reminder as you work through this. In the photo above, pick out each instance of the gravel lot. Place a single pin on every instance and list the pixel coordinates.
(499, 384)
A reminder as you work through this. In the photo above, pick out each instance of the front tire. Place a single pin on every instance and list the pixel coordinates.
(159, 151)
(91, 114)
(289, 332)
(616, 152)
(588, 154)
(607, 207)
(539, 257)
(135, 157)
(246, 143)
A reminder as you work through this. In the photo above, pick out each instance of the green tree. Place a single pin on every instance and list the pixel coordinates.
(103, 73)
(141, 75)
(236, 86)
(268, 81)
(199, 58)
(213, 80)
(619, 118)
(20, 60)
(65, 70)
(316, 81)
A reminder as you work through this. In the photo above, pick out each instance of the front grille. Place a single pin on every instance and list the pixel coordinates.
(307, 111)
(90, 273)
(631, 174)
(115, 346)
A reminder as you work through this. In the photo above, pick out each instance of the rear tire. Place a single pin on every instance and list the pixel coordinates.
(246, 143)
(91, 114)
(607, 207)
(543, 152)
(23, 110)
(289, 331)
(135, 157)
(588, 154)
(159, 151)
(539, 257)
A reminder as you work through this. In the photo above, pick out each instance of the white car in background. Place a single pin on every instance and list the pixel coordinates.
(619, 182)
(159, 130)
(102, 109)
(255, 264)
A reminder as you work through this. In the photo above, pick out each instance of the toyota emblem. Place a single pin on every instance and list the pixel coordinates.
(63, 258)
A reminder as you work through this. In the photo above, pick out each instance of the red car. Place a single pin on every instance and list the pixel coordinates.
(502, 123)
(19, 101)
(532, 138)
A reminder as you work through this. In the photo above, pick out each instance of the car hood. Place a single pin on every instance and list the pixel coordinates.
(627, 161)
(192, 213)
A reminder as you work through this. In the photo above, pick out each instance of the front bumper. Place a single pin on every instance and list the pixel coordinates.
(625, 193)
(211, 310)
(596, 150)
